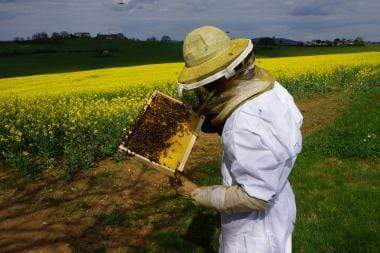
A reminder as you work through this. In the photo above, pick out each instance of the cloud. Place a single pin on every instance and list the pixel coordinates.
(312, 8)
(320, 7)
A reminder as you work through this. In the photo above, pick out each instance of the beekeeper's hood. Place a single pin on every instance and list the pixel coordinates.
(227, 66)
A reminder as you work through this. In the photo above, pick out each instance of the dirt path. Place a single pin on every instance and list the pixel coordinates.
(53, 215)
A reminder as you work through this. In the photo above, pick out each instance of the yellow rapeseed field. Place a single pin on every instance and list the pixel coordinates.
(103, 80)
(75, 118)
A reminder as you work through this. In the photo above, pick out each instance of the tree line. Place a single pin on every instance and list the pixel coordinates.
(272, 41)
(43, 37)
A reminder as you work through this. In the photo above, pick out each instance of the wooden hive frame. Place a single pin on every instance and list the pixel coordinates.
(161, 167)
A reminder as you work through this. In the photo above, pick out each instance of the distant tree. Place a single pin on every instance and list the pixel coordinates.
(56, 36)
(40, 36)
(44, 35)
(166, 38)
(121, 36)
(18, 39)
(64, 34)
(151, 39)
(359, 41)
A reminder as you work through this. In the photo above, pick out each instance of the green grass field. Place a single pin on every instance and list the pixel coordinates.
(77, 55)
(336, 181)
(19, 59)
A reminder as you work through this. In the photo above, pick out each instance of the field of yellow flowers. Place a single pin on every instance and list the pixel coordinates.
(71, 120)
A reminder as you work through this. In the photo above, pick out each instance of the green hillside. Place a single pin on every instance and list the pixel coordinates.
(22, 59)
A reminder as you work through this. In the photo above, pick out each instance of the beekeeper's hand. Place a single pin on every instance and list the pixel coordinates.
(182, 185)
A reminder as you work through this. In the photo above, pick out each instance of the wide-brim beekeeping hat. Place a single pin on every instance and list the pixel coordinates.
(209, 54)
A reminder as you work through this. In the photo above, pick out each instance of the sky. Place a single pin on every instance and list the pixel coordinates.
(295, 19)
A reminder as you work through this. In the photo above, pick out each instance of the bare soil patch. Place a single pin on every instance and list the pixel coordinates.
(321, 111)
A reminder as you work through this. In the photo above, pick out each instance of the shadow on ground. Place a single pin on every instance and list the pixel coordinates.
(55, 215)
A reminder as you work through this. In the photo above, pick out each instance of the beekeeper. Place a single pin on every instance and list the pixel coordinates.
(259, 125)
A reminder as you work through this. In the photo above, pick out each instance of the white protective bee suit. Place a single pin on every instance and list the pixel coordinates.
(261, 140)
(260, 128)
